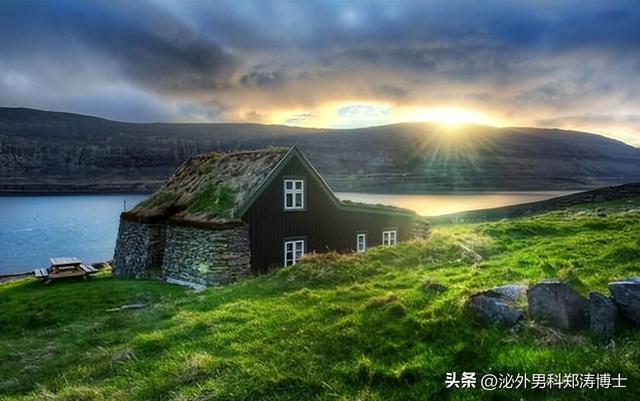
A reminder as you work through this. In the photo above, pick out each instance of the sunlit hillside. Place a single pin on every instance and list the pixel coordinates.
(383, 325)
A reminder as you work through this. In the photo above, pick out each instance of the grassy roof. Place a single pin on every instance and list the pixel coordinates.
(210, 188)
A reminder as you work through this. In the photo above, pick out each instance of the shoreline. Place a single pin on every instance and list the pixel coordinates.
(5, 278)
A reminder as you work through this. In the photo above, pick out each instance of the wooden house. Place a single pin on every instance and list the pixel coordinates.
(222, 217)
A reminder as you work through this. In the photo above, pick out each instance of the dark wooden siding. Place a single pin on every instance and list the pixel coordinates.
(322, 224)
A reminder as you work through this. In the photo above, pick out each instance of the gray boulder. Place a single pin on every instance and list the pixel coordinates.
(557, 305)
(605, 318)
(626, 294)
(601, 212)
(497, 306)
(511, 292)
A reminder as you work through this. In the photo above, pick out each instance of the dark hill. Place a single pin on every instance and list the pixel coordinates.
(50, 151)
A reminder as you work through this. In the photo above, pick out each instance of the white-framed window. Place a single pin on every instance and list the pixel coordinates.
(293, 194)
(293, 251)
(361, 242)
(389, 237)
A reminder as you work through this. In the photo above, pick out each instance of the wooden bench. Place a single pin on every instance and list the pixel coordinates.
(88, 269)
(41, 273)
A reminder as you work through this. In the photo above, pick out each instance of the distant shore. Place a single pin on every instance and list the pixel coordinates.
(561, 202)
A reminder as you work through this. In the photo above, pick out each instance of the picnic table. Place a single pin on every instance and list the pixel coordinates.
(64, 267)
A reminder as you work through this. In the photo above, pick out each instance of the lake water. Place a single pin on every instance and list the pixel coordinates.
(439, 204)
(35, 228)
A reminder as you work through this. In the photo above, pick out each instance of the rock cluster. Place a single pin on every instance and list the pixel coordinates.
(556, 304)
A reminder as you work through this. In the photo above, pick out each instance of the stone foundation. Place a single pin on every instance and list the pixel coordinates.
(207, 257)
(183, 254)
(139, 249)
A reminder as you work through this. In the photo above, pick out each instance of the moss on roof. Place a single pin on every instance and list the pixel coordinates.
(210, 188)
(217, 200)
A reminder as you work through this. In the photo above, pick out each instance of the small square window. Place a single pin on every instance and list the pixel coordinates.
(389, 237)
(293, 194)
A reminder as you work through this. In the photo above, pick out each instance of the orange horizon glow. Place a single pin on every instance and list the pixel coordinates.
(365, 113)
(362, 114)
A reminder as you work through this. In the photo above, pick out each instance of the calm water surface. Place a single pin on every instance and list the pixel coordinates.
(35, 228)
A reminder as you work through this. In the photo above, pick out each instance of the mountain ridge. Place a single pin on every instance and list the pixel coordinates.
(67, 152)
(285, 126)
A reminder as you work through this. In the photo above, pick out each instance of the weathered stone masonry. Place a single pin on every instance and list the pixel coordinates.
(207, 257)
(194, 255)
(140, 247)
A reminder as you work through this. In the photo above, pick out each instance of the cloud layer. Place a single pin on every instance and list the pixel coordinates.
(571, 64)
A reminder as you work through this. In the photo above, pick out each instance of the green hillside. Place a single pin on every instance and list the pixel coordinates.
(384, 325)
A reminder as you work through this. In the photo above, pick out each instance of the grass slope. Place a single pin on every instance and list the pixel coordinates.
(376, 326)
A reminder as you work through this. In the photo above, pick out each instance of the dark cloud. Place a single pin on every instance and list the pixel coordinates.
(263, 78)
(141, 42)
(162, 53)
(531, 62)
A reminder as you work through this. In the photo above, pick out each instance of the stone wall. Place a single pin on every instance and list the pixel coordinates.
(207, 257)
(139, 249)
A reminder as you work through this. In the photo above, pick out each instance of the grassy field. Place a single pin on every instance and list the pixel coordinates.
(384, 325)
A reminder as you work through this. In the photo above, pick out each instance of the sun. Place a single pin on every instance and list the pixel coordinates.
(450, 116)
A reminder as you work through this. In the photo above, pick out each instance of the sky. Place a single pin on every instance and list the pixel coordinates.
(340, 64)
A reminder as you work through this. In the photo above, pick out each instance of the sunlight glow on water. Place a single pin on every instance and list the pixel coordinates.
(439, 204)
